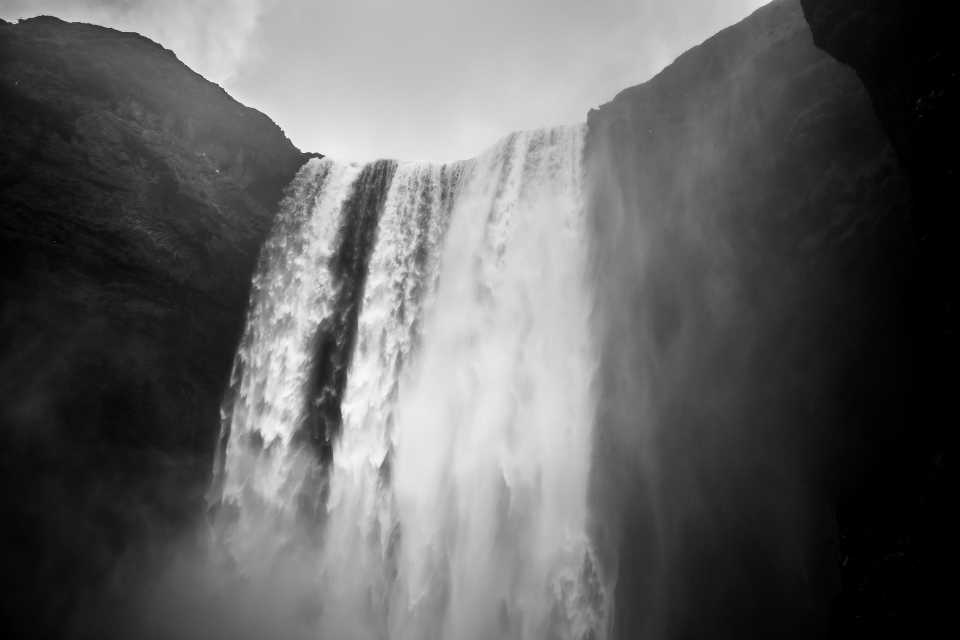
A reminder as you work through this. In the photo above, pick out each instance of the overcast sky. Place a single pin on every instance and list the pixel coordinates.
(413, 79)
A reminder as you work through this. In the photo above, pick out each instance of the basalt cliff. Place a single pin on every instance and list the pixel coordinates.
(758, 247)
(898, 538)
(134, 197)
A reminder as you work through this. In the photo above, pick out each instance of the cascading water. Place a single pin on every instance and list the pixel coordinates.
(406, 442)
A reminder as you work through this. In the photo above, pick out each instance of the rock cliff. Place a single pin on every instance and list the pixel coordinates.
(753, 295)
(134, 197)
(897, 529)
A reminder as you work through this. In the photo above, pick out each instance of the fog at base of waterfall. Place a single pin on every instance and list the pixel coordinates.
(446, 497)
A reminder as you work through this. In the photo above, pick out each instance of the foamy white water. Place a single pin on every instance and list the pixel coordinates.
(456, 500)
(292, 294)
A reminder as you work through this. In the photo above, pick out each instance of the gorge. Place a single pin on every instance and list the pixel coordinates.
(614, 379)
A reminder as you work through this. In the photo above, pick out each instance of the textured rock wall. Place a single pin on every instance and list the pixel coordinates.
(134, 196)
(753, 250)
(897, 527)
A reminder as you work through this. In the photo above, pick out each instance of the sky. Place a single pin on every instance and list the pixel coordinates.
(413, 79)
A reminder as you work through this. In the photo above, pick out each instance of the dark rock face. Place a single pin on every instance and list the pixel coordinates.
(906, 54)
(134, 197)
(897, 528)
(754, 260)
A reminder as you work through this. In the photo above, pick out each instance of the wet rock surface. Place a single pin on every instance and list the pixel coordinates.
(134, 197)
(898, 536)
(757, 271)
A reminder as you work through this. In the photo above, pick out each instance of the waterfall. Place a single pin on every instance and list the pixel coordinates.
(406, 439)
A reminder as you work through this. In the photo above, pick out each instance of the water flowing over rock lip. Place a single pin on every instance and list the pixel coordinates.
(447, 485)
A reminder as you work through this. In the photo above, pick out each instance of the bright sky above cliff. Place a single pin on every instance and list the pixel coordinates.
(413, 79)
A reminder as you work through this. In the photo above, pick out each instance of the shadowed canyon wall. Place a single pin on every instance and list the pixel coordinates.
(753, 250)
(896, 527)
(134, 197)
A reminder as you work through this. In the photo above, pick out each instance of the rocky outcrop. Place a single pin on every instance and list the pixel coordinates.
(906, 54)
(755, 276)
(898, 536)
(134, 197)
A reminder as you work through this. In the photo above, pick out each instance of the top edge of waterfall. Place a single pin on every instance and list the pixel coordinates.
(498, 143)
